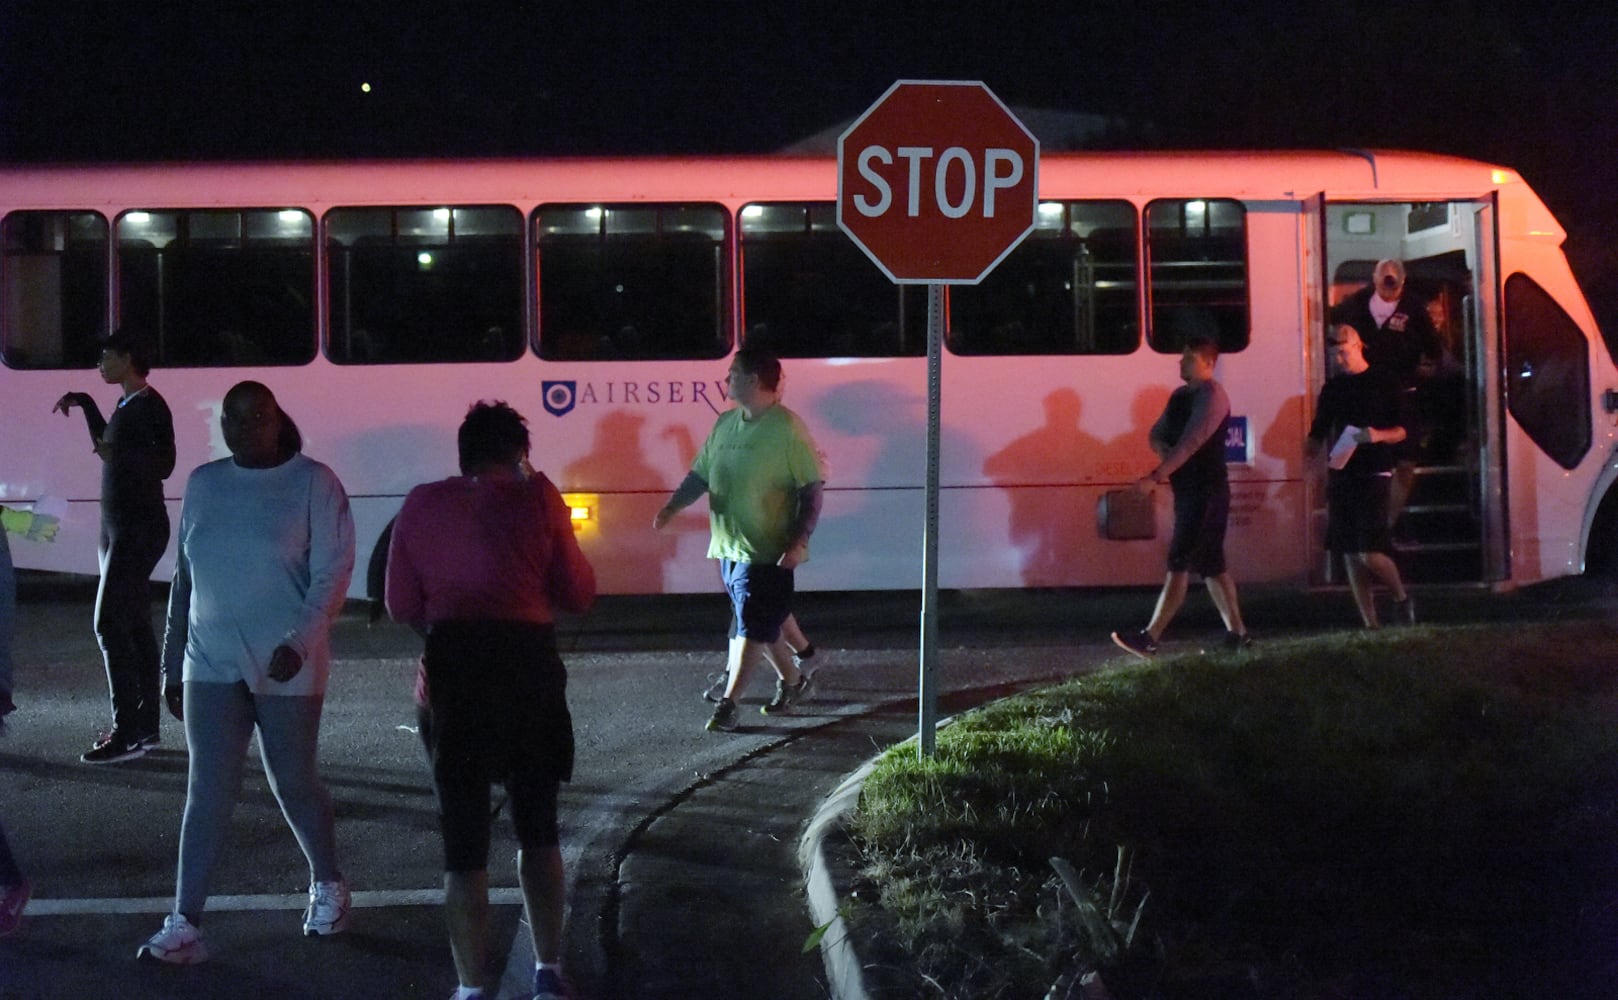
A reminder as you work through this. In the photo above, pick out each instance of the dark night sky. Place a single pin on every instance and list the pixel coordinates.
(1532, 86)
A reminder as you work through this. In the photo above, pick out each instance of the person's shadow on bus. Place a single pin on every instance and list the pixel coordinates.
(1042, 526)
(876, 461)
(627, 557)
(1128, 456)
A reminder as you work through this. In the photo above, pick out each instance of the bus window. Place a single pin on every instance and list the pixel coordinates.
(233, 287)
(53, 282)
(419, 285)
(809, 292)
(1547, 372)
(1069, 288)
(631, 282)
(1196, 249)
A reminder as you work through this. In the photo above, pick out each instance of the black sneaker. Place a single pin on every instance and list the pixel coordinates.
(806, 653)
(1140, 643)
(1235, 642)
(113, 747)
(1404, 612)
(717, 682)
(787, 695)
(724, 717)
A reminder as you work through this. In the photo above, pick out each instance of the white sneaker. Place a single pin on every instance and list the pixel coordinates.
(328, 909)
(178, 942)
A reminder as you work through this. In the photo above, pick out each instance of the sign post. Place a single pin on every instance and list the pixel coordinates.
(937, 182)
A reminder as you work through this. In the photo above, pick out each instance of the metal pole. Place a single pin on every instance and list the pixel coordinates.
(927, 687)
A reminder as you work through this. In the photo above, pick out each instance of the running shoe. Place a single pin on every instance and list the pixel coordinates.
(12, 902)
(717, 681)
(549, 985)
(1404, 612)
(806, 653)
(787, 695)
(114, 747)
(1235, 642)
(328, 909)
(1140, 643)
(724, 717)
(178, 943)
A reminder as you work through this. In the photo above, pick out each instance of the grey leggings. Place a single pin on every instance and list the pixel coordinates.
(219, 720)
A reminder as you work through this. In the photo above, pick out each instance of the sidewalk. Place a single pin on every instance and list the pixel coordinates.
(710, 893)
(711, 898)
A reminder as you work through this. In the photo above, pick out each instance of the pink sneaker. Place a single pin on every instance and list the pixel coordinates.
(12, 902)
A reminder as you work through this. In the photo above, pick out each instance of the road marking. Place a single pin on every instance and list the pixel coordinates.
(217, 904)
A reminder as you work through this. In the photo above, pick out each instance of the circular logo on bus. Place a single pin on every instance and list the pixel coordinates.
(559, 397)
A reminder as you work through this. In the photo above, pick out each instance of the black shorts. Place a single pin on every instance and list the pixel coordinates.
(1200, 519)
(497, 699)
(1357, 513)
(760, 598)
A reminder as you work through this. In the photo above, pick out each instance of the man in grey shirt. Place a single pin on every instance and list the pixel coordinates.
(1191, 453)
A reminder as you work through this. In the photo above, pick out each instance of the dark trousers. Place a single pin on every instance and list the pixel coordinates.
(123, 623)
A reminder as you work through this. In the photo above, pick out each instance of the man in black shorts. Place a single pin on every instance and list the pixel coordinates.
(1358, 423)
(1191, 453)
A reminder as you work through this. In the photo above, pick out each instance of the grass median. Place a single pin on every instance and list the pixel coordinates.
(1424, 813)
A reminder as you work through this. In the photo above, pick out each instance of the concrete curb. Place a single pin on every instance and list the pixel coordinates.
(845, 974)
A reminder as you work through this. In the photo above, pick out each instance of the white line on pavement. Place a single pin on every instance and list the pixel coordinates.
(164, 904)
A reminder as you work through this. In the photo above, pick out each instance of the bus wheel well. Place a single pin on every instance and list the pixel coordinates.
(1601, 548)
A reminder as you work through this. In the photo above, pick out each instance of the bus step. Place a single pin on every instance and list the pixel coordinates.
(1466, 546)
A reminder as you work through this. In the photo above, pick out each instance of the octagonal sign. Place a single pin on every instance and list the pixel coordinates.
(937, 182)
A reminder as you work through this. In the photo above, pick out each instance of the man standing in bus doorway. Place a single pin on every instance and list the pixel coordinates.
(1191, 452)
(764, 481)
(136, 448)
(1358, 419)
(1399, 337)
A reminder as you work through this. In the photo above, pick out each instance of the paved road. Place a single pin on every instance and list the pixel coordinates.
(100, 842)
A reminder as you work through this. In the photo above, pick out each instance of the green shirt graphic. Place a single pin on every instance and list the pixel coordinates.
(754, 470)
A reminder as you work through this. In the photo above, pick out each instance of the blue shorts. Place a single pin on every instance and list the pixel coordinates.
(760, 597)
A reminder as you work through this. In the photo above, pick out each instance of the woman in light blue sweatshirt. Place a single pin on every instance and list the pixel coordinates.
(266, 547)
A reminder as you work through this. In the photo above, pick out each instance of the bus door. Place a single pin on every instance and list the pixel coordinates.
(1482, 316)
(1448, 494)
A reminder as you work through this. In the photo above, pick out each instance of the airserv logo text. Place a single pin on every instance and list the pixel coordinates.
(562, 396)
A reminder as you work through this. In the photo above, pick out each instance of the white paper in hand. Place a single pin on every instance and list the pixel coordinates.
(1343, 450)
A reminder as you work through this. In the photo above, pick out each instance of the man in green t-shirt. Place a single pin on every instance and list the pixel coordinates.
(763, 478)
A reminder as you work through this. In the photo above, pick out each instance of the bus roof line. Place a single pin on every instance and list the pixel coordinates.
(1369, 157)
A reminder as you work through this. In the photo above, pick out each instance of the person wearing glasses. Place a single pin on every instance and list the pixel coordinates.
(764, 478)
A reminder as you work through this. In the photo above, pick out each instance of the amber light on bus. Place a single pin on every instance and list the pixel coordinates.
(581, 509)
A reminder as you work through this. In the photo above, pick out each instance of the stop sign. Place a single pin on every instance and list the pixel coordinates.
(937, 182)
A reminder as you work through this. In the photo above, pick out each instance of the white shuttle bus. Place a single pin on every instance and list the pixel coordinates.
(602, 298)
